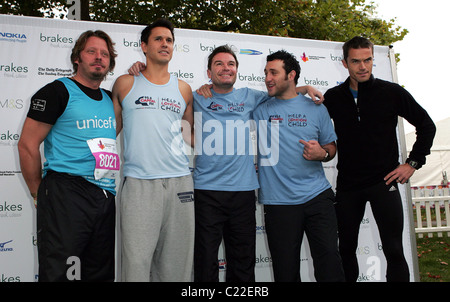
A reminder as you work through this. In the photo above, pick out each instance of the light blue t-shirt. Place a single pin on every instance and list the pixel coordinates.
(285, 177)
(153, 144)
(65, 147)
(225, 156)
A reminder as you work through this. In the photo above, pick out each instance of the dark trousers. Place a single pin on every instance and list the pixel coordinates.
(231, 216)
(285, 226)
(386, 205)
(75, 218)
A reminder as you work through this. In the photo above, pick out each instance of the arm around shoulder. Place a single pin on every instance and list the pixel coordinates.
(188, 116)
(121, 88)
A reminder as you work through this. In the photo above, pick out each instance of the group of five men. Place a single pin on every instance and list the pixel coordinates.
(172, 223)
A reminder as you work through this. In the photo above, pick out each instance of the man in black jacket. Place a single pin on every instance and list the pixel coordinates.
(365, 112)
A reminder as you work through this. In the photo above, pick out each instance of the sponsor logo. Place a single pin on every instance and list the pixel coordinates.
(97, 123)
(9, 137)
(186, 196)
(55, 39)
(182, 75)
(316, 82)
(11, 104)
(5, 278)
(207, 48)
(214, 106)
(166, 104)
(38, 104)
(184, 48)
(13, 68)
(4, 248)
(170, 105)
(250, 52)
(8, 210)
(135, 44)
(147, 102)
(304, 58)
(181, 48)
(13, 37)
(101, 145)
(251, 78)
(222, 264)
(14, 71)
(236, 107)
(276, 119)
(58, 72)
(336, 58)
(263, 261)
(260, 229)
(297, 120)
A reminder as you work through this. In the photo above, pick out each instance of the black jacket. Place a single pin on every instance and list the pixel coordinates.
(367, 139)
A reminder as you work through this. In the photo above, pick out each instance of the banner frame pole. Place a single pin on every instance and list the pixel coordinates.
(404, 155)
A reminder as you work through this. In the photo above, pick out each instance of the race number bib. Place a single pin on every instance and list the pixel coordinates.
(107, 162)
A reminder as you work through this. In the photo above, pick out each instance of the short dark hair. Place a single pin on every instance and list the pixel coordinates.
(221, 49)
(356, 43)
(80, 44)
(289, 60)
(158, 23)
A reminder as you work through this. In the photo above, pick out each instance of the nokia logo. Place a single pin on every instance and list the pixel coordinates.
(12, 35)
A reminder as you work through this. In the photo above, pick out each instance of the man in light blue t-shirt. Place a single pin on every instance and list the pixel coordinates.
(225, 177)
(296, 195)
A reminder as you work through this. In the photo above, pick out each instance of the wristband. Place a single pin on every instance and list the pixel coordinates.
(327, 156)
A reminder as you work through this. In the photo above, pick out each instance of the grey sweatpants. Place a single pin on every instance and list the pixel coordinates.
(157, 225)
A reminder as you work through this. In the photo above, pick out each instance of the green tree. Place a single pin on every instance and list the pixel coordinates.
(34, 8)
(334, 20)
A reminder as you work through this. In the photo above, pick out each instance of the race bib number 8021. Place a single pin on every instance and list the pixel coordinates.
(107, 161)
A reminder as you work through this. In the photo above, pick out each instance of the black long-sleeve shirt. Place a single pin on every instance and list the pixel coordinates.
(367, 139)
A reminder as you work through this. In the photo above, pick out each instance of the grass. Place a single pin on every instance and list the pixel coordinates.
(434, 258)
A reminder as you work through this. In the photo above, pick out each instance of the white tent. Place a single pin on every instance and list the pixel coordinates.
(438, 162)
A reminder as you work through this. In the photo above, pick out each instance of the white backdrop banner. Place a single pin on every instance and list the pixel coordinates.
(36, 51)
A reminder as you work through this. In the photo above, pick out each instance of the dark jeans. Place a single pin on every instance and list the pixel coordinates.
(285, 226)
(75, 218)
(231, 216)
(386, 205)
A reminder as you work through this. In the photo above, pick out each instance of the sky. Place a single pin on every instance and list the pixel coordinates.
(424, 61)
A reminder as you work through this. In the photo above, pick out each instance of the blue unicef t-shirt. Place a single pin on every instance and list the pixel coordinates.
(66, 148)
(285, 177)
(223, 143)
